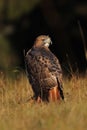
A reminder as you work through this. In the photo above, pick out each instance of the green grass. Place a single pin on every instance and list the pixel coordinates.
(17, 114)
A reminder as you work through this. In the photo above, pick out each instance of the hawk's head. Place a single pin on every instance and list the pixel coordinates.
(42, 41)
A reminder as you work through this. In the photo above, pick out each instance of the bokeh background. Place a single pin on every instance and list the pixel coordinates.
(65, 21)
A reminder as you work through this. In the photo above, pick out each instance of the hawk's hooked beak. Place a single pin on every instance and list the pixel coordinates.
(47, 42)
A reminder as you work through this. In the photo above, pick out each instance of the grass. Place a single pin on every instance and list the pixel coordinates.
(17, 114)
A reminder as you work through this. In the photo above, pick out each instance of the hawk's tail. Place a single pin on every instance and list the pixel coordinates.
(54, 94)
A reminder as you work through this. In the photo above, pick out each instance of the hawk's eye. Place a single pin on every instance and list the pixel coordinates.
(43, 39)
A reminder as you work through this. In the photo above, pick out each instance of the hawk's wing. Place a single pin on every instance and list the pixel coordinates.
(44, 69)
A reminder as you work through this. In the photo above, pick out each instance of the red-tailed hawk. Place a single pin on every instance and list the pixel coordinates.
(44, 71)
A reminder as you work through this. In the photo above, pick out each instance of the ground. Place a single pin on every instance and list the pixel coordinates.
(18, 113)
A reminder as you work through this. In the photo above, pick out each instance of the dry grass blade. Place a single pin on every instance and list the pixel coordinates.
(68, 115)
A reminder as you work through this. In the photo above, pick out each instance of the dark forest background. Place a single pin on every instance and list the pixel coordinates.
(65, 21)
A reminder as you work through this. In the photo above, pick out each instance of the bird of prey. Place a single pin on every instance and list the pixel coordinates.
(44, 71)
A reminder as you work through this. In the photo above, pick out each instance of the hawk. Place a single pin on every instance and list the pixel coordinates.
(44, 71)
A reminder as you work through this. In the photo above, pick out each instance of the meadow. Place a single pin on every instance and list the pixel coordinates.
(19, 113)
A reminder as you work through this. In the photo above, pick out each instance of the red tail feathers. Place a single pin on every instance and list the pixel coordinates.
(54, 94)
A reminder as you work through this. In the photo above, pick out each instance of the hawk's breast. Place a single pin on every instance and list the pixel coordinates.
(42, 67)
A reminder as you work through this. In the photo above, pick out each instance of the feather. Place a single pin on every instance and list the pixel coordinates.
(44, 70)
